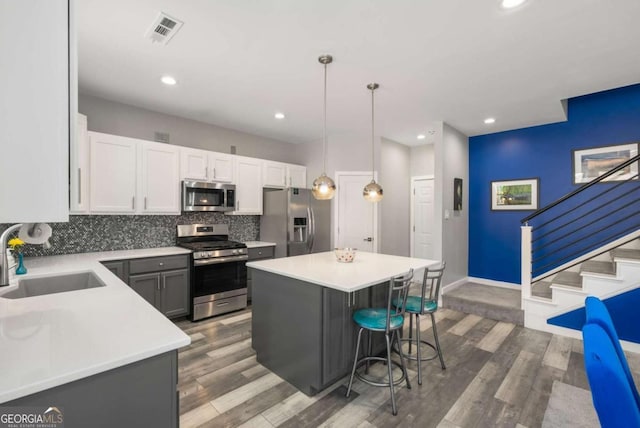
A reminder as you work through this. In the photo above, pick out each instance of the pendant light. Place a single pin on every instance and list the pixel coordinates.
(323, 187)
(372, 192)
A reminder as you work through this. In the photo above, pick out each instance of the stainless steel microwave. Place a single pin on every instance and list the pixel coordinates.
(203, 196)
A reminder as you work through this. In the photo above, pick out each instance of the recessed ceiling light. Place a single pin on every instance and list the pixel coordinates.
(489, 120)
(279, 115)
(421, 137)
(510, 4)
(169, 80)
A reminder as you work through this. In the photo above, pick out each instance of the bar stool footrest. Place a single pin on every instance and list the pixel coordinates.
(371, 382)
(414, 357)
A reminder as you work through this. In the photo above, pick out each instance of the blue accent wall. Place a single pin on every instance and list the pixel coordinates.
(601, 119)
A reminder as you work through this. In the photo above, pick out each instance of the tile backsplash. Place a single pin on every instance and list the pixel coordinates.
(87, 233)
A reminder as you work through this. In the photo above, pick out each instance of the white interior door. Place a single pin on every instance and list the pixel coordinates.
(423, 218)
(356, 219)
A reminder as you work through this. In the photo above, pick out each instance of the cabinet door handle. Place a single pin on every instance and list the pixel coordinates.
(133, 202)
(161, 264)
(238, 205)
(145, 202)
(79, 185)
(158, 283)
(222, 304)
(164, 282)
(289, 181)
(214, 173)
(206, 172)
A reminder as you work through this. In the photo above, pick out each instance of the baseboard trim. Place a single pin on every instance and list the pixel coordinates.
(494, 283)
(453, 285)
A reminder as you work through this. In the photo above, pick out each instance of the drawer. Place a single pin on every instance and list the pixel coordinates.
(261, 253)
(157, 264)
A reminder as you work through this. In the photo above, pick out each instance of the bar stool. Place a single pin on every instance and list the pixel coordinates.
(388, 320)
(422, 305)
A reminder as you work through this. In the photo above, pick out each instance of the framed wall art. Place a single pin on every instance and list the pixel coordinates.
(457, 194)
(514, 195)
(591, 163)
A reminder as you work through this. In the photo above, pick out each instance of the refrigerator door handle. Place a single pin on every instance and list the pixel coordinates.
(312, 231)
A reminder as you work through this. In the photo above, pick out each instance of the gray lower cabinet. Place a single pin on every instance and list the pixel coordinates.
(118, 268)
(257, 253)
(141, 394)
(305, 332)
(161, 281)
(167, 291)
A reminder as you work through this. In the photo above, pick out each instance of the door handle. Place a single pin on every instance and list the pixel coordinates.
(79, 185)
(369, 239)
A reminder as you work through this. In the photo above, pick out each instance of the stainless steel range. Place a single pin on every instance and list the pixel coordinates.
(219, 272)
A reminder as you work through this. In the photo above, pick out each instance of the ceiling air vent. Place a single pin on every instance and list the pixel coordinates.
(163, 28)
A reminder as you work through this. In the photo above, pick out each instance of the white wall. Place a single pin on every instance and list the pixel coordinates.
(395, 180)
(452, 161)
(122, 119)
(422, 160)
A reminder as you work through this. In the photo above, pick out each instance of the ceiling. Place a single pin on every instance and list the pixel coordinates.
(237, 62)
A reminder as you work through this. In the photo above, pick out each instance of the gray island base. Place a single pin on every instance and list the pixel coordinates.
(302, 330)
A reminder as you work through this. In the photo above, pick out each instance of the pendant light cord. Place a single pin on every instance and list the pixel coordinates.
(324, 129)
(373, 159)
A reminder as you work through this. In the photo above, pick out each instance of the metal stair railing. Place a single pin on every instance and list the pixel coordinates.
(578, 223)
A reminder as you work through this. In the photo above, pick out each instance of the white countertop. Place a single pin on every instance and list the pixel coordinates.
(50, 340)
(323, 269)
(257, 244)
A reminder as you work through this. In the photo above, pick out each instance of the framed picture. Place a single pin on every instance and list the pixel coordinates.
(592, 163)
(513, 195)
(457, 194)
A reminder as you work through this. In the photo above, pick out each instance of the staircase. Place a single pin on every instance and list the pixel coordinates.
(585, 243)
(612, 273)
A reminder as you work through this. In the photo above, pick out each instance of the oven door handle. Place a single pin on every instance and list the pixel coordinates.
(220, 260)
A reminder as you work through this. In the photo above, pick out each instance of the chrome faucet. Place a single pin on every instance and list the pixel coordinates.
(4, 262)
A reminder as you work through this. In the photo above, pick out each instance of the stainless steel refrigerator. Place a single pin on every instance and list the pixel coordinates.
(296, 222)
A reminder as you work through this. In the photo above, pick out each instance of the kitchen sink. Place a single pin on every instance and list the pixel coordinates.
(30, 287)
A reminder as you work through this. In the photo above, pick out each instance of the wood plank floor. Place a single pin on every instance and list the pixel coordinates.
(498, 374)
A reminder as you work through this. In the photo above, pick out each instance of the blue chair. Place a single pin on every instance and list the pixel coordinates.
(597, 313)
(388, 320)
(612, 396)
(426, 303)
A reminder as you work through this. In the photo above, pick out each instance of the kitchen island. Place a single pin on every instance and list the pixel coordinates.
(302, 306)
(103, 355)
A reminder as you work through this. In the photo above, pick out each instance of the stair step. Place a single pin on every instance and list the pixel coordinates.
(598, 267)
(625, 253)
(567, 279)
(501, 304)
(541, 289)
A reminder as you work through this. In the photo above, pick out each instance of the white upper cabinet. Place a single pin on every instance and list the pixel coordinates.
(296, 176)
(274, 174)
(79, 168)
(159, 179)
(113, 173)
(280, 175)
(220, 167)
(248, 180)
(131, 176)
(193, 164)
(37, 92)
(202, 165)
